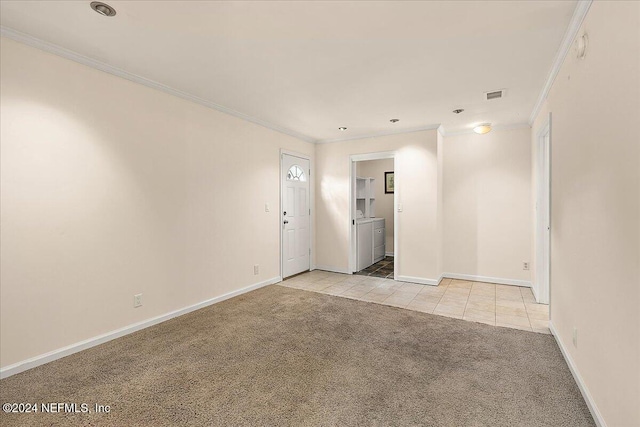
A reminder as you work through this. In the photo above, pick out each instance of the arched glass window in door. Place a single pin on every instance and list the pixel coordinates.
(296, 174)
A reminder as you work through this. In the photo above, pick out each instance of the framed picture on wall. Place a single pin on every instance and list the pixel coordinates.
(389, 185)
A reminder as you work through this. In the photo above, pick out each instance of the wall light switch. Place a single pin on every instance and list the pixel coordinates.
(399, 207)
(266, 207)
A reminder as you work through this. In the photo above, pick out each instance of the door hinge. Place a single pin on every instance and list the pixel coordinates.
(353, 222)
(309, 211)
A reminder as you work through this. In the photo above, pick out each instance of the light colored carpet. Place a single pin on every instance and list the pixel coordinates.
(281, 356)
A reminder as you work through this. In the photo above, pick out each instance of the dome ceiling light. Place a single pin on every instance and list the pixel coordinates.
(482, 128)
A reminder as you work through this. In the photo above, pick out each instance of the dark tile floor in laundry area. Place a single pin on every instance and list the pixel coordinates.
(382, 268)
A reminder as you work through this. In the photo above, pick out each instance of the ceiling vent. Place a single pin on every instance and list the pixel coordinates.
(495, 94)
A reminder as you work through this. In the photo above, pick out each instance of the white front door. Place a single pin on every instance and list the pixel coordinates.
(295, 215)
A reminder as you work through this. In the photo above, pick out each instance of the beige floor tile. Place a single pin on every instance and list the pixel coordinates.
(390, 284)
(476, 297)
(527, 295)
(454, 302)
(511, 296)
(303, 285)
(483, 305)
(433, 290)
(410, 287)
(537, 308)
(460, 284)
(512, 320)
(400, 293)
(507, 288)
(441, 310)
(541, 326)
(483, 292)
(355, 293)
(399, 298)
(511, 311)
(337, 289)
(434, 299)
(480, 317)
(374, 281)
(316, 273)
(319, 286)
(400, 303)
(374, 297)
(508, 325)
(423, 306)
(382, 291)
(355, 279)
(486, 315)
(456, 293)
(509, 303)
(537, 316)
(454, 310)
(329, 281)
(485, 284)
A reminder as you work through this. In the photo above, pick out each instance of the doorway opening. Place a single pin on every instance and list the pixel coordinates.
(372, 217)
(295, 213)
(543, 214)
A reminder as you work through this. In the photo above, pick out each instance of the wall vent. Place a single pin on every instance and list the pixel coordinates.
(494, 94)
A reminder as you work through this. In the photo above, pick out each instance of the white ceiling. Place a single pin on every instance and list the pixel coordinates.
(311, 67)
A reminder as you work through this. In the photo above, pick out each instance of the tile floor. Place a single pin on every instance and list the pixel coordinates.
(498, 305)
(382, 268)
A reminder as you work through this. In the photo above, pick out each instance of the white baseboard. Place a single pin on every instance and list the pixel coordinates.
(24, 365)
(498, 280)
(389, 254)
(595, 413)
(419, 280)
(332, 269)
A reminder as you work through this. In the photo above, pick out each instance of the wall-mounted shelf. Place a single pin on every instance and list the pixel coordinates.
(365, 196)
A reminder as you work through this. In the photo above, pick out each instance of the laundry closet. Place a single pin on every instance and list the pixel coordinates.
(374, 203)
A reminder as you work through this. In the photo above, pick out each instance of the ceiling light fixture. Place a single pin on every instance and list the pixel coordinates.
(394, 120)
(342, 128)
(103, 8)
(482, 128)
(458, 110)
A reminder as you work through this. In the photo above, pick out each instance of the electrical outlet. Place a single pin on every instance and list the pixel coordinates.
(525, 265)
(137, 300)
(256, 269)
(575, 337)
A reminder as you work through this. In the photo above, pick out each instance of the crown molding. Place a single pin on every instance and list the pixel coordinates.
(101, 66)
(579, 14)
(510, 126)
(378, 134)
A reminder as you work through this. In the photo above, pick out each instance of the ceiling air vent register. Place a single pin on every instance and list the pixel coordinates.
(494, 94)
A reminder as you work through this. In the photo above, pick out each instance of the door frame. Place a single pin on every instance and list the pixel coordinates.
(543, 232)
(312, 228)
(352, 206)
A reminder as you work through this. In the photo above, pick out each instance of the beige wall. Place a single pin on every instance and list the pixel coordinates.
(384, 202)
(595, 209)
(487, 204)
(109, 189)
(416, 188)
